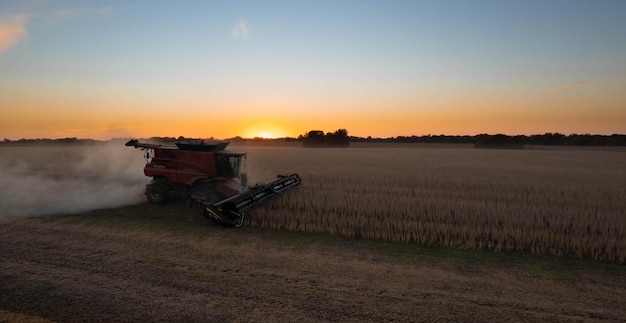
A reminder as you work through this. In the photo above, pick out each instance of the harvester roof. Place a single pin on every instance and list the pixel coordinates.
(189, 145)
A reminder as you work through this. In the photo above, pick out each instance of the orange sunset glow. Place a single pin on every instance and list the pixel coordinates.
(269, 70)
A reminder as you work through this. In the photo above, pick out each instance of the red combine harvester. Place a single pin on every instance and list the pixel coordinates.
(207, 175)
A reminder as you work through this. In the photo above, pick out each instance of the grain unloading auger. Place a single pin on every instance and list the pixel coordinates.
(207, 175)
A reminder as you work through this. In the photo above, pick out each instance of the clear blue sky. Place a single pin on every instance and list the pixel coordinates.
(280, 68)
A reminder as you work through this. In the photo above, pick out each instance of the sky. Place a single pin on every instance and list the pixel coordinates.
(108, 69)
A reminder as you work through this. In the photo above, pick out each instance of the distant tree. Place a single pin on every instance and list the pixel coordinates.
(499, 141)
(340, 138)
(317, 138)
(617, 140)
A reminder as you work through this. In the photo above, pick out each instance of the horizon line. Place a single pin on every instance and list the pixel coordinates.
(296, 138)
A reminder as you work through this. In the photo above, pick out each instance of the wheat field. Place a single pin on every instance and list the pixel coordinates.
(563, 202)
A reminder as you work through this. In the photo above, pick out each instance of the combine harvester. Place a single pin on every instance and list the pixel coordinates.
(207, 175)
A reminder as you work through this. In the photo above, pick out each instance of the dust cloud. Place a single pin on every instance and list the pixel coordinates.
(69, 178)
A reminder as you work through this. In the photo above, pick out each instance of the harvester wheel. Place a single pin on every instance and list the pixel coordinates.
(157, 194)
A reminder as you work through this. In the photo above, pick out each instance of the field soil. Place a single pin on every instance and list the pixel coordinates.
(167, 263)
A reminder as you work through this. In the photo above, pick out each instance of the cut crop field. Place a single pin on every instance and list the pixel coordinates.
(166, 263)
(562, 202)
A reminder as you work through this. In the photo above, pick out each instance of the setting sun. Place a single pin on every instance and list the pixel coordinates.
(266, 131)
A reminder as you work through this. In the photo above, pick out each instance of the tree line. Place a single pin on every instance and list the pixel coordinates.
(340, 138)
(44, 141)
(317, 138)
(501, 140)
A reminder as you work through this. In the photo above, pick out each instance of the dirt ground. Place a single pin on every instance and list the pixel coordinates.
(167, 263)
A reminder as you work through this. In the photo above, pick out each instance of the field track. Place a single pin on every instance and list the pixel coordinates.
(166, 263)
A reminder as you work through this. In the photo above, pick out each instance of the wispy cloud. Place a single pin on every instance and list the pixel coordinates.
(67, 14)
(13, 27)
(571, 84)
(12, 30)
(240, 30)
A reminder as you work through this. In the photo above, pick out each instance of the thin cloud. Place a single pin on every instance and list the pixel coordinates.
(12, 30)
(571, 84)
(240, 30)
(67, 14)
(13, 27)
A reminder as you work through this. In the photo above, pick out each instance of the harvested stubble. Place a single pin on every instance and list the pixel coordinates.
(557, 202)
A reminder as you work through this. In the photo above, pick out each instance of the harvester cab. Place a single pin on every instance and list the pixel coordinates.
(209, 176)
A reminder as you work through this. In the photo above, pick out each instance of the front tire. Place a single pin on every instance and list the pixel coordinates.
(156, 194)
